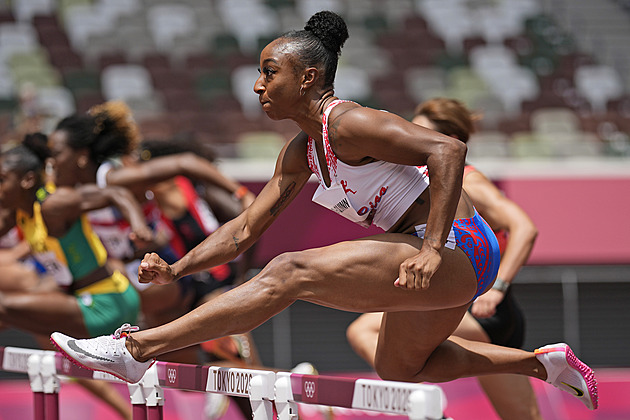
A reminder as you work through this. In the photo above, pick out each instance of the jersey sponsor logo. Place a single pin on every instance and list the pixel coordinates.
(372, 205)
(344, 185)
(341, 206)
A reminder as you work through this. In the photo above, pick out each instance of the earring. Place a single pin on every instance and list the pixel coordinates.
(301, 90)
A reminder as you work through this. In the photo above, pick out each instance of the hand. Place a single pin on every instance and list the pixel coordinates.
(154, 269)
(142, 237)
(415, 273)
(485, 305)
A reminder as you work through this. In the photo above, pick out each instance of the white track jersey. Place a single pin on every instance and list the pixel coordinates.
(379, 192)
(108, 223)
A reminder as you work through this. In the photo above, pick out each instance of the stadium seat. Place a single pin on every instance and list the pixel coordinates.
(598, 84)
(84, 20)
(423, 83)
(554, 120)
(243, 79)
(56, 102)
(168, 21)
(16, 38)
(488, 144)
(126, 81)
(25, 10)
(248, 20)
(351, 83)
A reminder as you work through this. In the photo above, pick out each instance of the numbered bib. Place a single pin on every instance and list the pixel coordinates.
(115, 240)
(55, 268)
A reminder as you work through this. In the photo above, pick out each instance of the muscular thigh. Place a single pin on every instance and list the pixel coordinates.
(43, 313)
(359, 276)
(407, 339)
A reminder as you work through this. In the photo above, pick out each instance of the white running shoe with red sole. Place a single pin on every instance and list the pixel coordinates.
(106, 353)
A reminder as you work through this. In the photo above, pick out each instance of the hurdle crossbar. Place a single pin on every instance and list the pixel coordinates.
(263, 388)
(417, 401)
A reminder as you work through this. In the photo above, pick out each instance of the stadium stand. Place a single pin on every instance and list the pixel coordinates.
(510, 60)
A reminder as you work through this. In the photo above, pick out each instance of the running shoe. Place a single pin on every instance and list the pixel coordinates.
(106, 353)
(566, 372)
(305, 368)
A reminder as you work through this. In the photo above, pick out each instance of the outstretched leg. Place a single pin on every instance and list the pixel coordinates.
(512, 396)
(42, 313)
(359, 276)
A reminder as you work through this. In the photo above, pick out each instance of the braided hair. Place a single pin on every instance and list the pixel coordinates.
(319, 43)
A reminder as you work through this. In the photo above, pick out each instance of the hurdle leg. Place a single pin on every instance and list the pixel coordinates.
(287, 409)
(428, 404)
(138, 403)
(153, 394)
(35, 380)
(50, 382)
(260, 397)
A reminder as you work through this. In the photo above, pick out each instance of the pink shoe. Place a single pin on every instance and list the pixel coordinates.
(566, 372)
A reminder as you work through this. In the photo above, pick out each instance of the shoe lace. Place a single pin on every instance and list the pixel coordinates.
(124, 331)
(111, 345)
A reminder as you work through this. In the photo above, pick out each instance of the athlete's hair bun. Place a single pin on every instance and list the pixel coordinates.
(37, 143)
(330, 28)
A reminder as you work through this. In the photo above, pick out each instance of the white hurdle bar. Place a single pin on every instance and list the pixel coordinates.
(263, 388)
(417, 401)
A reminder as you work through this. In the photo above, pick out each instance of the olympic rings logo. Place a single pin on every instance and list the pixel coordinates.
(172, 375)
(309, 389)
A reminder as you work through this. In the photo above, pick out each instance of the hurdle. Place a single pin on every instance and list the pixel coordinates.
(417, 401)
(270, 393)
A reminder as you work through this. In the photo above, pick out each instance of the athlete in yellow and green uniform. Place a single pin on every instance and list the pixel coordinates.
(93, 295)
(75, 260)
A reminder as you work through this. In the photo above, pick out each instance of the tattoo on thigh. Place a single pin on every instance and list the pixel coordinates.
(283, 199)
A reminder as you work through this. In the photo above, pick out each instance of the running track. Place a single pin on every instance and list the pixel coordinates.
(465, 402)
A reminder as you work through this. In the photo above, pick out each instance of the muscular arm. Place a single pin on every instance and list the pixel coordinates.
(94, 197)
(146, 174)
(363, 132)
(240, 233)
(501, 213)
(66, 205)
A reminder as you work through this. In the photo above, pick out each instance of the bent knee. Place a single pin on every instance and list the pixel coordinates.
(284, 274)
(391, 371)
